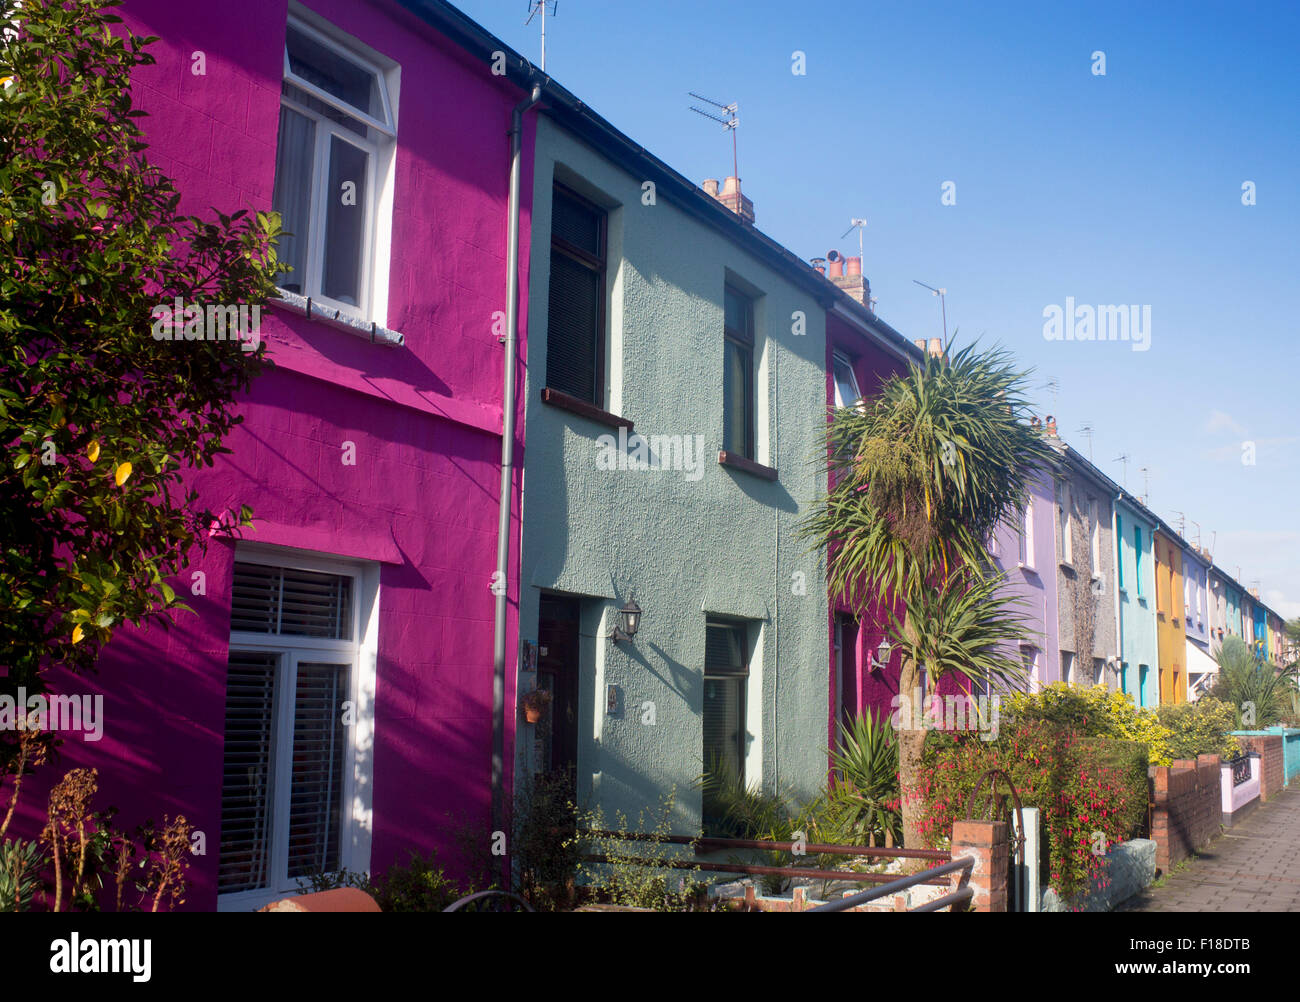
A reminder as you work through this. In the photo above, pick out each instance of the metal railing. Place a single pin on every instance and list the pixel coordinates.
(701, 844)
(959, 896)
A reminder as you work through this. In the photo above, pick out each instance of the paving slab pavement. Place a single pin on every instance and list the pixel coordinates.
(1253, 867)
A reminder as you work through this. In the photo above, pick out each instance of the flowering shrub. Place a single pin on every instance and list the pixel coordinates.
(1201, 728)
(1086, 804)
(1094, 712)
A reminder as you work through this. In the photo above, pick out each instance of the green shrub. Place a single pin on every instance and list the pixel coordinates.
(546, 848)
(1200, 728)
(1085, 790)
(1130, 760)
(1093, 712)
(419, 886)
(632, 874)
(20, 874)
(862, 805)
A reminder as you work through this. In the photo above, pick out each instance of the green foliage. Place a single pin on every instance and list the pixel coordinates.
(1131, 761)
(1259, 695)
(967, 626)
(1087, 796)
(924, 473)
(20, 874)
(735, 809)
(633, 875)
(1094, 712)
(419, 886)
(546, 845)
(1200, 728)
(862, 797)
(100, 420)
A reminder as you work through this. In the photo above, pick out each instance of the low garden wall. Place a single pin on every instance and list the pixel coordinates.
(1186, 807)
(1127, 869)
(1270, 746)
(1239, 798)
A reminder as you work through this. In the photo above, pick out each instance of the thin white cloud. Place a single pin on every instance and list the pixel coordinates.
(1222, 421)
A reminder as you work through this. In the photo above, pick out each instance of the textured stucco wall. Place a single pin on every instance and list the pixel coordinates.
(1085, 603)
(425, 419)
(1196, 597)
(722, 545)
(1137, 605)
(1171, 637)
(1034, 582)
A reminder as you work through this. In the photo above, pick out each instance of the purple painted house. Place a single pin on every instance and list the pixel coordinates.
(1026, 553)
(331, 703)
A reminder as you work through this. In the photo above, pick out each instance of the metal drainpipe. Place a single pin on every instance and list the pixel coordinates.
(507, 463)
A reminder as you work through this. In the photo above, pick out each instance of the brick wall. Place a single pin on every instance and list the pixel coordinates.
(1186, 807)
(1272, 765)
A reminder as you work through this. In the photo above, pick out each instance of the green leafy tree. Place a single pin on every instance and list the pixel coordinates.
(922, 477)
(99, 418)
(1260, 696)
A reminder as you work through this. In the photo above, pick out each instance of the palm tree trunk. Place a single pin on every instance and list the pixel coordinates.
(911, 741)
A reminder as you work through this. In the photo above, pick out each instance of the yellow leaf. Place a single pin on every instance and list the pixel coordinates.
(123, 471)
(77, 635)
(92, 451)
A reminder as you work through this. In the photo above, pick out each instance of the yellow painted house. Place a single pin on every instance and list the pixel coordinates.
(1171, 632)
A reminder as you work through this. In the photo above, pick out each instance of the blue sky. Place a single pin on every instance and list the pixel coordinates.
(1117, 189)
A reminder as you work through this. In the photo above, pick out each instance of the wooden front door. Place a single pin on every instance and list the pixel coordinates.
(558, 671)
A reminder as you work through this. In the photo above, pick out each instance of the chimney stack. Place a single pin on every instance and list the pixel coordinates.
(731, 197)
(1051, 425)
(846, 273)
(936, 347)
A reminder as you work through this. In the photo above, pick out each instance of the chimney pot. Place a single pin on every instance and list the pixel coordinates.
(711, 186)
(853, 266)
(920, 343)
(1051, 425)
(837, 268)
(936, 347)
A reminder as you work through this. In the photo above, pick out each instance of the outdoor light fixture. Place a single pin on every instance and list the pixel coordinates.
(630, 619)
(883, 652)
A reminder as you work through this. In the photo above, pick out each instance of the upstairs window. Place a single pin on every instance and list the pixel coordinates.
(846, 383)
(1095, 536)
(1064, 548)
(575, 332)
(333, 155)
(738, 374)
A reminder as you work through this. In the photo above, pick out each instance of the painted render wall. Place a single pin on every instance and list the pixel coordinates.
(1085, 601)
(1171, 635)
(421, 502)
(1034, 580)
(1196, 597)
(1137, 613)
(860, 686)
(722, 545)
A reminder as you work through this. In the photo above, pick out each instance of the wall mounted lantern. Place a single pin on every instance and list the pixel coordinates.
(629, 622)
(883, 651)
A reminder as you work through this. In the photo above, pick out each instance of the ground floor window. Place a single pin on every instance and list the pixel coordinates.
(726, 673)
(296, 704)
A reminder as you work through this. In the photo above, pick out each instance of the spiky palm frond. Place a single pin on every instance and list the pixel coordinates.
(967, 624)
(925, 472)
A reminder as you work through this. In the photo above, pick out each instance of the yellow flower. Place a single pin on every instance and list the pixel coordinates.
(92, 451)
(121, 473)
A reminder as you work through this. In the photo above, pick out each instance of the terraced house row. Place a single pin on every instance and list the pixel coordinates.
(544, 415)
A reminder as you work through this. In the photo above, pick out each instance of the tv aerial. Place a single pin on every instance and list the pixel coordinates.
(542, 7)
(732, 111)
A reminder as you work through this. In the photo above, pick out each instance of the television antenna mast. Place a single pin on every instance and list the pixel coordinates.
(1198, 534)
(856, 224)
(1086, 429)
(943, 303)
(732, 111)
(1124, 458)
(1146, 484)
(1182, 523)
(542, 6)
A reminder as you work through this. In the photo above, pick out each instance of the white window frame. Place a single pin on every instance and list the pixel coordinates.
(361, 651)
(1094, 515)
(380, 173)
(1065, 548)
(1026, 555)
(839, 359)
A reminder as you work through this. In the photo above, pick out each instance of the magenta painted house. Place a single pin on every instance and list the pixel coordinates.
(330, 705)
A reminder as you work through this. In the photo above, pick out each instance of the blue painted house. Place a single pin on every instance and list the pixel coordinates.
(1136, 585)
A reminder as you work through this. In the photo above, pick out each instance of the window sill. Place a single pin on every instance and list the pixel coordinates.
(739, 462)
(580, 407)
(291, 302)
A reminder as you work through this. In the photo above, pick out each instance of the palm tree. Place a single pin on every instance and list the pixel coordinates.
(1260, 695)
(921, 477)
